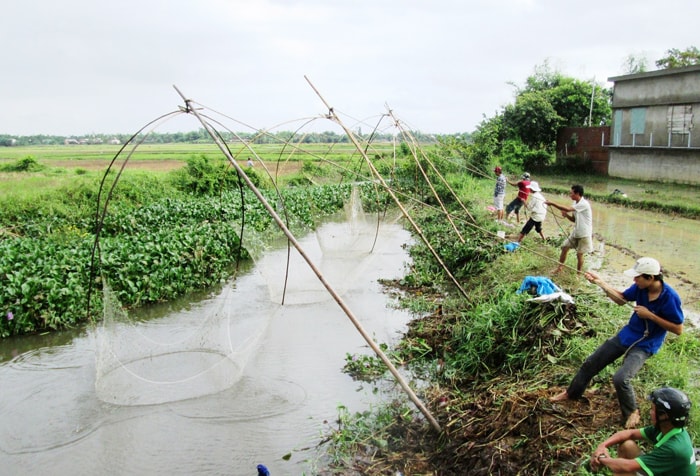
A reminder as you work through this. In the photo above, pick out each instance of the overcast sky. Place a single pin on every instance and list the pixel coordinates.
(74, 67)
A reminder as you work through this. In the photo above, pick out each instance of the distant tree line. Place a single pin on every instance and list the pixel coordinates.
(201, 136)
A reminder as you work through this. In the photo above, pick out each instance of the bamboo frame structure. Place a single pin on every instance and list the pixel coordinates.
(290, 236)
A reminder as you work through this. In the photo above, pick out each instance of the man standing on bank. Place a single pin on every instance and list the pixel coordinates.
(499, 192)
(672, 453)
(657, 311)
(581, 237)
(523, 192)
(538, 212)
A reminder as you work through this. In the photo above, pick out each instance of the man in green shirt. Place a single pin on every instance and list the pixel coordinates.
(672, 454)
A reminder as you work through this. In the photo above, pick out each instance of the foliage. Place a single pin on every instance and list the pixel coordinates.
(634, 64)
(365, 430)
(523, 135)
(533, 120)
(461, 258)
(203, 176)
(156, 243)
(464, 150)
(551, 100)
(486, 143)
(537, 160)
(514, 153)
(364, 367)
(676, 58)
(199, 136)
(164, 263)
(27, 164)
(44, 283)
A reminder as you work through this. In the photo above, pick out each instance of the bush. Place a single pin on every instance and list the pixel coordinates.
(537, 160)
(203, 177)
(27, 164)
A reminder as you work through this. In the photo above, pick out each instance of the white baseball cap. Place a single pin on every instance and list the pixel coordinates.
(535, 187)
(644, 265)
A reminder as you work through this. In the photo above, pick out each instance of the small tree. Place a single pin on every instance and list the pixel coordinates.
(634, 64)
(550, 100)
(533, 120)
(485, 143)
(677, 59)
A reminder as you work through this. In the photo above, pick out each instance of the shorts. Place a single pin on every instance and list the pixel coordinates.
(514, 206)
(528, 226)
(581, 245)
(498, 201)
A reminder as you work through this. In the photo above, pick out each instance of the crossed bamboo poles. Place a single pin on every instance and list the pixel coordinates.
(292, 239)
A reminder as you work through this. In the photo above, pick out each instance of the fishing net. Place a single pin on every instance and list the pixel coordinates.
(196, 351)
(202, 348)
(354, 236)
(340, 249)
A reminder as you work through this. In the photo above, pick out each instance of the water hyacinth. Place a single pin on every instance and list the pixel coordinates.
(10, 316)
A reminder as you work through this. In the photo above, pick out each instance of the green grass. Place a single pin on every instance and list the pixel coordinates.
(182, 151)
(89, 162)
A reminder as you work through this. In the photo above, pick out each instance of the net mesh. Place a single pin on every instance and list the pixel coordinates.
(199, 351)
(202, 349)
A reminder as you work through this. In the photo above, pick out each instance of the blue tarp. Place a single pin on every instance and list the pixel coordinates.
(542, 284)
(512, 246)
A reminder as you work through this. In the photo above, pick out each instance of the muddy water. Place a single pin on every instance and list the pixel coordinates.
(282, 389)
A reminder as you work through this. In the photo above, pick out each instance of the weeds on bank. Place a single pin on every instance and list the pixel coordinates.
(369, 429)
(367, 368)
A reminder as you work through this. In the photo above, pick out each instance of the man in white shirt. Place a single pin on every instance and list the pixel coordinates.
(581, 237)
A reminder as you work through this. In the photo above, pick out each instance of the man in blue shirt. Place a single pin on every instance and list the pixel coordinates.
(657, 310)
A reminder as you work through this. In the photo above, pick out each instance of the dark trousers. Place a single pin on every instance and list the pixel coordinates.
(608, 352)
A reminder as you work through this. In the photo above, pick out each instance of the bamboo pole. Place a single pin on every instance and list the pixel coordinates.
(435, 194)
(375, 172)
(437, 172)
(402, 382)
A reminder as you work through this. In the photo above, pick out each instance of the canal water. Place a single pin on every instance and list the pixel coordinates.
(213, 384)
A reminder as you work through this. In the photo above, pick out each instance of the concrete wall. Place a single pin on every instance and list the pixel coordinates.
(655, 132)
(656, 164)
(663, 87)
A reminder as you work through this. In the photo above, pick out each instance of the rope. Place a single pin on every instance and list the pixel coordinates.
(605, 287)
(358, 176)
